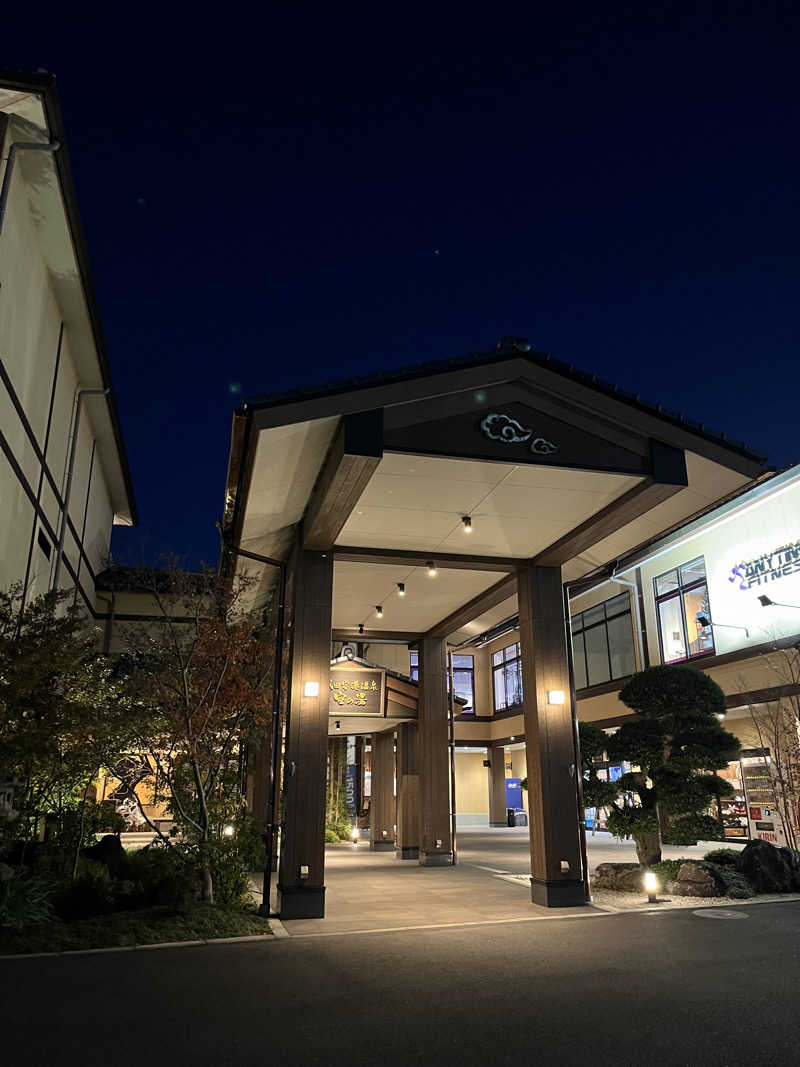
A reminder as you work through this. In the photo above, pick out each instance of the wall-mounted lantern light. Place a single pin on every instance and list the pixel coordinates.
(467, 523)
(431, 568)
(311, 689)
(555, 696)
(378, 611)
(401, 588)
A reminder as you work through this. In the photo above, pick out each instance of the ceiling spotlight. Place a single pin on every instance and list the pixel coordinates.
(361, 627)
(401, 588)
(431, 568)
(379, 611)
(338, 725)
(467, 523)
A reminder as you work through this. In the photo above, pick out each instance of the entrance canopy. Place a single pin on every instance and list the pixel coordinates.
(545, 464)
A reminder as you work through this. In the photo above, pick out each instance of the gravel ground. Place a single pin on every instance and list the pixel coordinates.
(609, 900)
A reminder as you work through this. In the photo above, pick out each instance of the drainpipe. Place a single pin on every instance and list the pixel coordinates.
(19, 146)
(71, 470)
(637, 614)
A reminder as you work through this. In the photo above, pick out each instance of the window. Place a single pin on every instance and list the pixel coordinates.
(463, 678)
(684, 616)
(507, 678)
(602, 642)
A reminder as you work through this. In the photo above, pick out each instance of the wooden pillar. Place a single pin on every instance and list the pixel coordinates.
(301, 879)
(556, 869)
(407, 792)
(381, 811)
(435, 846)
(498, 813)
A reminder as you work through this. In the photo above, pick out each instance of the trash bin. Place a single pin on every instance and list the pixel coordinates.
(520, 818)
(510, 813)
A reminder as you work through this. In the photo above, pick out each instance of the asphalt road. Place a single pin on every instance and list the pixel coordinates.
(670, 988)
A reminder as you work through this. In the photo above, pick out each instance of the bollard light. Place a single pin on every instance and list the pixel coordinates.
(650, 885)
(354, 835)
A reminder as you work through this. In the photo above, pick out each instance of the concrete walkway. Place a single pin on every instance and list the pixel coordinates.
(375, 891)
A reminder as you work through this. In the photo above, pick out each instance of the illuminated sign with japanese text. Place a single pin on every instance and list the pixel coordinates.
(356, 692)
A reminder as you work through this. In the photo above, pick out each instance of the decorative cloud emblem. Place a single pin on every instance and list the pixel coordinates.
(504, 428)
(509, 431)
(543, 447)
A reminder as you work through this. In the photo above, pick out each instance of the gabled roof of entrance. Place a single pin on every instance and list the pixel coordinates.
(518, 348)
(551, 465)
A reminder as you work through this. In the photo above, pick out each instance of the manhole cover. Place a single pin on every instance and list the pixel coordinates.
(719, 913)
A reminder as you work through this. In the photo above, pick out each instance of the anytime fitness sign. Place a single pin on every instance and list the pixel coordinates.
(769, 567)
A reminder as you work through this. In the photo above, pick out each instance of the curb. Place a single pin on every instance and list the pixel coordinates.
(266, 938)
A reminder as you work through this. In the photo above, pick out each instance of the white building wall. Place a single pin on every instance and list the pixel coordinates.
(30, 322)
(760, 526)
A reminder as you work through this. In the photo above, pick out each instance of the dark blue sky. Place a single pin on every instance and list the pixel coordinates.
(273, 200)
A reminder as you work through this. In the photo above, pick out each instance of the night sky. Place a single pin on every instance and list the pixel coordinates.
(274, 200)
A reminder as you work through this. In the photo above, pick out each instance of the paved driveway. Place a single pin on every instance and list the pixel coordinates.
(375, 891)
(672, 988)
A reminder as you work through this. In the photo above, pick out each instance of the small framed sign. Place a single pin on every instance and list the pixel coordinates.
(357, 691)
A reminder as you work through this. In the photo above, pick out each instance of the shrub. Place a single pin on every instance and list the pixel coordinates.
(735, 884)
(331, 837)
(667, 870)
(90, 894)
(722, 857)
(232, 860)
(24, 901)
(165, 876)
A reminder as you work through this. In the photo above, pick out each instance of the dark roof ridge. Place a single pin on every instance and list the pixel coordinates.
(498, 355)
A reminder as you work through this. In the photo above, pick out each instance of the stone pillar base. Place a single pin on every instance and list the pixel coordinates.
(408, 853)
(301, 902)
(382, 846)
(558, 893)
(436, 859)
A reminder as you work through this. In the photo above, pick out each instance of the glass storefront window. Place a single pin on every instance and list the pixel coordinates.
(684, 616)
(507, 678)
(602, 642)
(670, 625)
(463, 679)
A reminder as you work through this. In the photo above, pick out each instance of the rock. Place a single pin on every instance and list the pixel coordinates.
(110, 852)
(623, 877)
(770, 869)
(695, 881)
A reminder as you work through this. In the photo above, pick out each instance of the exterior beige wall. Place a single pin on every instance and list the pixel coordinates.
(395, 657)
(30, 320)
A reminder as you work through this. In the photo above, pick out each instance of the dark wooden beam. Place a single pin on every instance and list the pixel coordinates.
(443, 560)
(385, 637)
(668, 476)
(484, 601)
(631, 505)
(352, 459)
